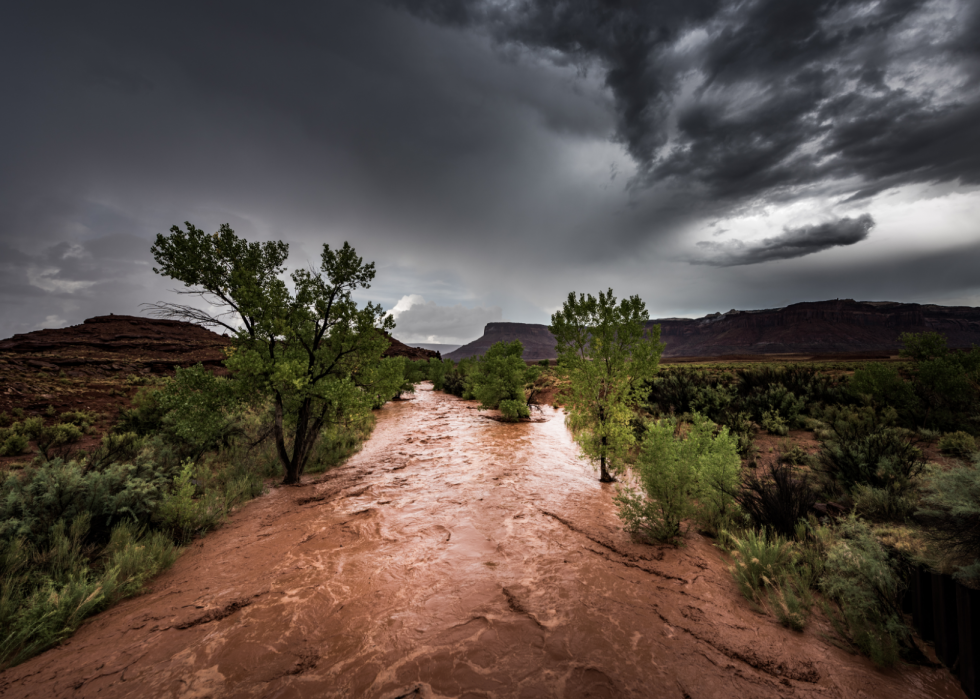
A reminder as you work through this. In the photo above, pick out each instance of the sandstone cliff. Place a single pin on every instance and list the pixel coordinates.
(822, 327)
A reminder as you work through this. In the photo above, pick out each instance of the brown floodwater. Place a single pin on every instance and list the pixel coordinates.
(454, 556)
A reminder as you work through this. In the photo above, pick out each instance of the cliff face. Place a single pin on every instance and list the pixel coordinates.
(538, 341)
(823, 327)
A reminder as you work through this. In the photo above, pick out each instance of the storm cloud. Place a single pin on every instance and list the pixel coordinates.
(491, 157)
(767, 98)
(794, 242)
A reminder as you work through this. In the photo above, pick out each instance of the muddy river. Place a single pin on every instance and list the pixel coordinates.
(454, 556)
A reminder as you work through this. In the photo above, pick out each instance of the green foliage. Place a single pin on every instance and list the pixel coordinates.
(681, 477)
(859, 578)
(500, 379)
(199, 410)
(945, 382)
(768, 572)
(773, 423)
(607, 354)
(863, 450)
(957, 444)
(882, 385)
(57, 437)
(184, 515)
(46, 593)
(777, 499)
(33, 501)
(5, 419)
(14, 444)
(309, 350)
(146, 416)
(923, 346)
(951, 509)
(883, 504)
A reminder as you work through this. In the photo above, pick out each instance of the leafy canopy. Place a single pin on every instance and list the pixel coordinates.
(500, 377)
(606, 354)
(311, 350)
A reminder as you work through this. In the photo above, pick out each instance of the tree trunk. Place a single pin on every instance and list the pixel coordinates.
(290, 472)
(604, 475)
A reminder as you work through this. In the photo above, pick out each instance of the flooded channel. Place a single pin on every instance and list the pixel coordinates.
(454, 556)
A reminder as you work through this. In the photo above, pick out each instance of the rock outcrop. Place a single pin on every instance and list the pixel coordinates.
(841, 326)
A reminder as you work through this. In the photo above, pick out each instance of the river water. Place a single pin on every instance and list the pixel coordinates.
(454, 556)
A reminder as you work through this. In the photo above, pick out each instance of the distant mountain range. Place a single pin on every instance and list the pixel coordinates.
(841, 326)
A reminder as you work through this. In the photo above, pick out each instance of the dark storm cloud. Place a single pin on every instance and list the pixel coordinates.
(759, 100)
(794, 242)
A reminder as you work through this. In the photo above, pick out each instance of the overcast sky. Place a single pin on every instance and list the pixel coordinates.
(491, 156)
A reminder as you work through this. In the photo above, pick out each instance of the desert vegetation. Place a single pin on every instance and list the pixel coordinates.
(824, 483)
(81, 528)
(888, 480)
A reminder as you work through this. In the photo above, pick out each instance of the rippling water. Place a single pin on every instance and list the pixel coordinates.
(454, 556)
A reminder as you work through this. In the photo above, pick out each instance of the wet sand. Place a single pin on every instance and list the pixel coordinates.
(454, 556)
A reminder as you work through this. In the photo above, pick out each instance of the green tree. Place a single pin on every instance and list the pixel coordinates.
(310, 351)
(500, 377)
(606, 354)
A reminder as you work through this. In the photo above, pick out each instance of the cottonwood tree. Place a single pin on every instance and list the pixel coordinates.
(500, 377)
(310, 350)
(605, 353)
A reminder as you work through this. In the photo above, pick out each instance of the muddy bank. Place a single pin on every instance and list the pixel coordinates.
(454, 556)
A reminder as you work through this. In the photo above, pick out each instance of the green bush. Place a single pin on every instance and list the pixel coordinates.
(500, 378)
(866, 451)
(883, 504)
(31, 502)
(883, 385)
(57, 437)
(82, 418)
(859, 578)
(957, 444)
(183, 514)
(773, 423)
(45, 594)
(15, 444)
(951, 510)
(681, 477)
(765, 568)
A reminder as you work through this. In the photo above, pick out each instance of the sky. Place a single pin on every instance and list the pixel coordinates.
(491, 156)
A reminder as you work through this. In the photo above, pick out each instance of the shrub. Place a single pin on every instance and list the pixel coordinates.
(33, 501)
(500, 378)
(957, 444)
(82, 418)
(5, 419)
(884, 386)
(859, 578)
(773, 423)
(183, 515)
(696, 475)
(46, 594)
(951, 509)
(57, 437)
(883, 504)
(14, 445)
(777, 500)
(765, 569)
(868, 452)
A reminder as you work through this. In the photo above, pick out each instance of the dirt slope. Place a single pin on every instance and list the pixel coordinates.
(455, 556)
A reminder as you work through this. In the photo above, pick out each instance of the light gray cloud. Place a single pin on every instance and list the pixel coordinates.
(418, 320)
(794, 242)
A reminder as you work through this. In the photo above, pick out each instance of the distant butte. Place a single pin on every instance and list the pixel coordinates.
(842, 326)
